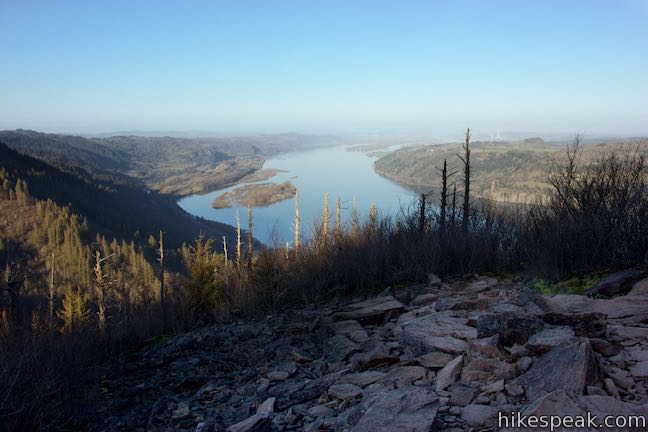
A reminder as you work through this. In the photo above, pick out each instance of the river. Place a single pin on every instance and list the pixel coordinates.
(336, 170)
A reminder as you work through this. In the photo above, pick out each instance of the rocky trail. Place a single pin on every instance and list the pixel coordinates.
(447, 356)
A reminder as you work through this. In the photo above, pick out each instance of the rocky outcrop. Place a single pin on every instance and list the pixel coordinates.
(447, 356)
(616, 283)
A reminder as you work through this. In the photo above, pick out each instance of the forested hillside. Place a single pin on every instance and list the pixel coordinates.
(515, 171)
(111, 205)
(169, 165)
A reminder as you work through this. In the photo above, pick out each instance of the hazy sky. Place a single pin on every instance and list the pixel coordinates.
(272, 65)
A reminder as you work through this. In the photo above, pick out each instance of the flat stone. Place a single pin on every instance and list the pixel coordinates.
(590, 324)
(339, 348)
(462, 394)
(446, 344)
(375, 353)
(449, 373)
(370, 311)
(320, 411)
(344, 391)
(630, 332)
(620, 377)
(595, 391)
(362, 379)
(404, 375)
(410, 409)
(278, 376)
(494, 387)
(547, 339)
(488, 346)
(629, 309)
(485, 369)
(604, 347)
(345, 327)
(424, 299)
(640, 370)
(513, 389)
(569, 367)
(436, 332)
(478, 415)
(434, 360)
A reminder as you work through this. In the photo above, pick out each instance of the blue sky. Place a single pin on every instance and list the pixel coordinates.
(339, 66)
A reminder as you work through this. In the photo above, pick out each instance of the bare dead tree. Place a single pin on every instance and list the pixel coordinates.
(238, 243)
(50, 296)
(102, 291)
(297, 241)
(226, 260)
(250, 239)
(162, 262)
(444, 193)
(466, 197)
(325, 224)
(338, 215)
(453, 216)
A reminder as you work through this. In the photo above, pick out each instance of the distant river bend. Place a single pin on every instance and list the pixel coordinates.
(335, 170)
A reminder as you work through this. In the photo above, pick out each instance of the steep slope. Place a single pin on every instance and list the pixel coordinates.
(169, 165)
(111, 206)
(507, 171)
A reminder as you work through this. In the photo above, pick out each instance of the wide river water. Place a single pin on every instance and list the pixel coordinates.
(335, 170)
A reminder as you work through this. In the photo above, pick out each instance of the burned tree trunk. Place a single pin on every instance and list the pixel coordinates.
(466, 161)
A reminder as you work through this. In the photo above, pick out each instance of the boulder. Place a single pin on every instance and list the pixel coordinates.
(510, 327)
(446, 344)
(628, 309)
(640, 288)
(436, 333)
(434, 360)
(351, 329)
(484, 369)
(547, 339)
(616, 284)
(375, 353)
(591, 325)
(370, 311)
(409, 409)
(344, 391)
(403, 376)
(570, 367)
(424, 299)
(604, 347)
(434, 280)
(462, 394)
(339, 347)
(488, 346)
(449, 373)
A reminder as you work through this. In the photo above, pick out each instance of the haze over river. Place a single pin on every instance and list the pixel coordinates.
(335, 170)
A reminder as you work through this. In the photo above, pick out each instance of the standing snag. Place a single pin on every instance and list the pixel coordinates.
(297, 220)
(466, 161)
(250, 239)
